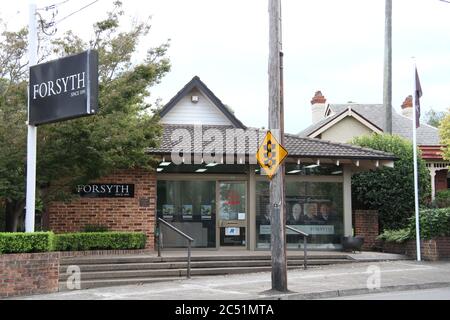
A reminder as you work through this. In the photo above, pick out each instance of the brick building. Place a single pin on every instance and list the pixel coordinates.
(209, 185)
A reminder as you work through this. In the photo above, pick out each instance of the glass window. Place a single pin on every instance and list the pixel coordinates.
(233, 201)
(189, 206)
(313, 207)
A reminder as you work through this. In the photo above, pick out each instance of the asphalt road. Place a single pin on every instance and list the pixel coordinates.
(429, 294)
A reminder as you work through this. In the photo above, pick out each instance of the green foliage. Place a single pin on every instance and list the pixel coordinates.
(444, 132)
(95, 228)
(100, 241)
(443, 199)
(390, 190)
(75, 152)
(434, 118)
(26, 242)
(398, 236)
(433, 223)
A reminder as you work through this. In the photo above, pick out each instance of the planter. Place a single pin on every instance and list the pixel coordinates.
(352, 243)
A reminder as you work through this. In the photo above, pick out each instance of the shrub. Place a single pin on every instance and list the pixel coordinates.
(100, 241)
(443, 199)
(26, 242)
(95, 228)
(390, 190)
(433, 223)
(398, 236)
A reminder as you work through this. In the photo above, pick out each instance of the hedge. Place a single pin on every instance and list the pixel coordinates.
(26, 242)
(47, 241)
(100, 241)
(433, 223)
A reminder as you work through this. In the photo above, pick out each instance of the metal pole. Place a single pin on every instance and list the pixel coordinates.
(387, 85)
(32, 130)
(416, 178)
(277, 201)
(189, 260)
(305, 256)
(158, 228)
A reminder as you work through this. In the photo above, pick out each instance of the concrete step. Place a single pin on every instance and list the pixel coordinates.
(181, 272)
(151, 259)
(165, 274)
(194, 264)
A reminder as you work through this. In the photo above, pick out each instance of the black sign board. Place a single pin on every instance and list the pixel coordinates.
(106, 190)
(64, 89)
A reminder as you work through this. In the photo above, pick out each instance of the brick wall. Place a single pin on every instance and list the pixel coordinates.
(27, 274)
(432, 250)
(441, 180)
(365, 223)
(118, 214)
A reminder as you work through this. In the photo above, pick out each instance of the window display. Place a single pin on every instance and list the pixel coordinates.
(312, 207)
(190, 207)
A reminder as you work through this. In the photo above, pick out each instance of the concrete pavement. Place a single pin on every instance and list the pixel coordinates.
(314, 283)
(425, 294)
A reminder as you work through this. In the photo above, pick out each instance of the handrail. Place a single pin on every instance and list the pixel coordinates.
(305, 251)
(181, 233)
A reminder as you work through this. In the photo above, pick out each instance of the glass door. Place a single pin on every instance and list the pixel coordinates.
(232, 214)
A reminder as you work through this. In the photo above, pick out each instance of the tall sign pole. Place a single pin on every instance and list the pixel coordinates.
(277, 191)
(32, 130)
(387, 85)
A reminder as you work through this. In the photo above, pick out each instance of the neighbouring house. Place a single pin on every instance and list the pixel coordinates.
(343, 122)
(209, 185)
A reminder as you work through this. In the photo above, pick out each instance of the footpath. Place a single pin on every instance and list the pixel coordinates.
(314, 283)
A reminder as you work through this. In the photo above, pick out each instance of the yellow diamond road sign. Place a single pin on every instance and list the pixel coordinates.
(270, 155)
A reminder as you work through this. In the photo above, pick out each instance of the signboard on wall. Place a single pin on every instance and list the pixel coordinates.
(309, 229)
(64, 89)
(106, 190)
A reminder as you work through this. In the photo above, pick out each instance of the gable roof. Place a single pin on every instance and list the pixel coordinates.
(297, 146)
(325, 124)
(200, 85)
(375, 113)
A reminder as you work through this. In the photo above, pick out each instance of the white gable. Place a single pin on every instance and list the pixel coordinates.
(203, 112)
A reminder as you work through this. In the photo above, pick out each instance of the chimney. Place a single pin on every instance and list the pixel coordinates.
(318, 103)
(407, 109)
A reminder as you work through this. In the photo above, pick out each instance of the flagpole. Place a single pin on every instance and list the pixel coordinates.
(416, 178)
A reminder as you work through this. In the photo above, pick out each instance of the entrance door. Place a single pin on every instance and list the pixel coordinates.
(232, 214)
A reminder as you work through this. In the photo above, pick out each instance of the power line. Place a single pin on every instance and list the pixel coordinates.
(53, 6)
(79, 10)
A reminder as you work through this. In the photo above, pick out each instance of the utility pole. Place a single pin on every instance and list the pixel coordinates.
(32, 130)
(387, 86)
(276, 123)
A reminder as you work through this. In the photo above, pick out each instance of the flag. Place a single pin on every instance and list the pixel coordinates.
(417, 96)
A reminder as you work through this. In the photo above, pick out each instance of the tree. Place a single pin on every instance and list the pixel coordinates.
(84, 149)
(390, 190)
(434, 118)
(444, 131)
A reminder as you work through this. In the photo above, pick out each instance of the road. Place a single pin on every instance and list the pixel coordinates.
(430, 294)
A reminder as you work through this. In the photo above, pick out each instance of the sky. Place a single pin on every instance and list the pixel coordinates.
(333, 46)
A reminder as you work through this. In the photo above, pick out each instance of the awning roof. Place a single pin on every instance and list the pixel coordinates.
(197, 138)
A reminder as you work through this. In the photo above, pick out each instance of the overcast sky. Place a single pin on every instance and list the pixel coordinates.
(332, 46)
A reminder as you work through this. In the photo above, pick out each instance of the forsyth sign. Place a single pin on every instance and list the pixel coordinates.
(64, 89)
(106, 190)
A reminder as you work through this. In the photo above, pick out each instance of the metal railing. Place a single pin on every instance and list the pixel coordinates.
(181, 233)
(305, 250)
